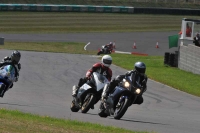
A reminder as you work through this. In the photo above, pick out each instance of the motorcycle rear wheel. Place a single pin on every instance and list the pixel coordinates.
(102, 109)
(121, 110)
(88, 103)
(73, 107)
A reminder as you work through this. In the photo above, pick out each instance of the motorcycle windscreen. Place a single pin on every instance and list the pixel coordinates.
(100, 80)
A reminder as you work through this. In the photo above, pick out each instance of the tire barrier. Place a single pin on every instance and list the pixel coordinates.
(171, 59)
(176, 59)
(65, 8)
(166, 58)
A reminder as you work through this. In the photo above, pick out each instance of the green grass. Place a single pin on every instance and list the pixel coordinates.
(61, 47)
(54, 22)
(156, 70)
(17, 122)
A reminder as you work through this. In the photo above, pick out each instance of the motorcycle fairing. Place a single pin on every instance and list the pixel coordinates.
(118, 91)
(8, 72)
(82, 91)
(114, 97)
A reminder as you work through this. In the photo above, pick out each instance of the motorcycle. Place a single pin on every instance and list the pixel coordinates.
(123, 96)
(89, 93)
(7, 77)
(105, 50)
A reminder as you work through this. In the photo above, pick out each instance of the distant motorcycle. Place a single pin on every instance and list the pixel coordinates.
(123, 96)
(7, 77)
(89, 93)
(105, 50)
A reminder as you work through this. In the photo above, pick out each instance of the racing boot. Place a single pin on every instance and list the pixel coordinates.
(105, 93)
(74, 90)
(139, 100)
(2, 90)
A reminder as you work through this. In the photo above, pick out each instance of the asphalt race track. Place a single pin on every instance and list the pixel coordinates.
(45, 82)
(145, 41)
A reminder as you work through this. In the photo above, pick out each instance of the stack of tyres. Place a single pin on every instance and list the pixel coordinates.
(166, 58)
(176, 59)
(171, 59)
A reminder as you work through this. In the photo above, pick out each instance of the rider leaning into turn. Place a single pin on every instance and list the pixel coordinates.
(139, 70)
(13, 60)
(110, 45)
(102, 68)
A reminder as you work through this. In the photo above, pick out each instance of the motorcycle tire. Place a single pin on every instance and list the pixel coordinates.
(88, 103)
(119, 112)
(73, 107)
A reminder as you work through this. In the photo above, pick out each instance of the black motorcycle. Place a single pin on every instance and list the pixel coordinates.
(104, 50)
(89, 93)
(123, 96)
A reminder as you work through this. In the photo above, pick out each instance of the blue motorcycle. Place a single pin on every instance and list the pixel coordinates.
(123, 96)
(7, 77)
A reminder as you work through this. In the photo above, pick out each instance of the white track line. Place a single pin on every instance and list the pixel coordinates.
(121, 52)
(86, 45)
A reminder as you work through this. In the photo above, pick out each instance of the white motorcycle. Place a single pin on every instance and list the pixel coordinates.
(89, 93)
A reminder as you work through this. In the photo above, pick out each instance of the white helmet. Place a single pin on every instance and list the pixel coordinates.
(106, 60)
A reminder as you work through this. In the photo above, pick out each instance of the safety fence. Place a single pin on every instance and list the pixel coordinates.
(65, 8)
(90, 8)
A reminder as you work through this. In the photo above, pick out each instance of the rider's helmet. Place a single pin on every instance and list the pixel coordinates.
(140, 67)
(111, 43)
(15, 57)
(106, 60)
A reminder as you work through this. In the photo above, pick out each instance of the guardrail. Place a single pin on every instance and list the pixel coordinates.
(65, 8)
(102, 9)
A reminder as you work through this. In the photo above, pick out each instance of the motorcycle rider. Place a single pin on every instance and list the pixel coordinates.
(13, 60)
(102, 68)
(110, 46)
(139, 70)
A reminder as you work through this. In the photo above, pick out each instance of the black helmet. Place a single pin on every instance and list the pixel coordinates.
(15, 57)
(140, 67)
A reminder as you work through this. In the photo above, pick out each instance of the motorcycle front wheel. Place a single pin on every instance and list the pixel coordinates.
(88, 103)
(121, 109)
(100, 52)
(102, 110)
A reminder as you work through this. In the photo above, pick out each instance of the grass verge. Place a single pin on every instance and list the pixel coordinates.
(54, 22)
(17, 122)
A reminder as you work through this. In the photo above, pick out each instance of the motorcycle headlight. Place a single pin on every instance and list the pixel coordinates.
(126, 84)
(138, 91)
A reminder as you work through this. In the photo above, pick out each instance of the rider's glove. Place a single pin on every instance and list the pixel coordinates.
(19, 66)
(6, 58)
